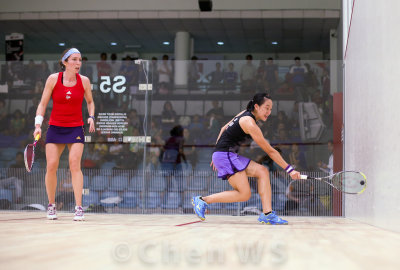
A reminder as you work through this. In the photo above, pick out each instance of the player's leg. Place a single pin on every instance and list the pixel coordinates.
(264, 189)
(241, 190)
(75, 156)
(264, 184)
(53, 153)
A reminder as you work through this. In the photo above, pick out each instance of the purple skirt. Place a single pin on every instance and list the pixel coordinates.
(64, 135)
(228, 163)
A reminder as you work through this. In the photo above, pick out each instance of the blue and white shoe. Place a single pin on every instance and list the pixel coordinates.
(199, 207)
(271, 219)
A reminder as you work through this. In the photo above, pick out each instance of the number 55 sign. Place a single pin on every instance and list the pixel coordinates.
(117, 85)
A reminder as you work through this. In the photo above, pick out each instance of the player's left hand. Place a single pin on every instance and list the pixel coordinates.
(295, 175)
(91, 125)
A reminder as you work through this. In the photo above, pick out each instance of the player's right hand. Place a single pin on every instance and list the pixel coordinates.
(213, 166)
(295, 175)
(37, 131)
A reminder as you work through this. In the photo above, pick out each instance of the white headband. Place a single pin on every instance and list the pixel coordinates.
(68, 54)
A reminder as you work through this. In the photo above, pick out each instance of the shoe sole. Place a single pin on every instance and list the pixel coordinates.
(79, 219)
(269, 223)
(195, 211)
(52, 217)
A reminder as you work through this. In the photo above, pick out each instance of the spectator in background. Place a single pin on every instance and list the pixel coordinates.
(3, 116)
(189, 147)
(164, 75)
(168, 116)
(65, 195)
(42, 72)
(86, 69)
(196, 127)
(216, 77)
(39, 86)
(17, 123)
(173, 152)
(103, 68)
(30, 73)
(259, 77)
(328, 168)
(216, 110)
(153, 72)
(230, 77)
(285, 90)
(115, 65)
(326, 84)
(298, 72)
(92, 157)
(247, 75)
(271, 74)
(194, 74)
(13, 177)
(134, 120)
(297, 158)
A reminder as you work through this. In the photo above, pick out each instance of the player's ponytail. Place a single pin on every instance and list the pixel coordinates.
(258, 99)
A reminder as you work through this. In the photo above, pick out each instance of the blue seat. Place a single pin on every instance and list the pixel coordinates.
(6, 194)
(136, 183)
(203, 169)
(171, 200)
(119, 183)
(167, 167)
(106, 195)
(99, 183)
(108, 165)
(153, 200)
(196, 183)
(178, 183)
(9, 153)
(157, 183)
(91, 198)
(232, 206)
(86, 181)
(184, 169)
(130, 199)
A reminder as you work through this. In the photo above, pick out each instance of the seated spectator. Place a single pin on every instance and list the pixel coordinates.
(86, 69)
(65, 197)
(297, 158)
(13, 179)
(194, 74)
(164, 75)
(216, 77)
(173, 152)
(196, 127)
(189, 147)
(17, 123)
(134, 119)
(230, 77)
(271, 73)
(168, 116)
(30, 73)
(91, 157)
(43, 72)
(247, 75)
(3, 116)
(39, 87)
(285, 90)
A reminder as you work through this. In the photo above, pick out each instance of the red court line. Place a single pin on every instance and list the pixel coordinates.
(189, 223)
(16, 219)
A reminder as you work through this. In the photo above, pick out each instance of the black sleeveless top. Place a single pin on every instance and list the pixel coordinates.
(233, 136)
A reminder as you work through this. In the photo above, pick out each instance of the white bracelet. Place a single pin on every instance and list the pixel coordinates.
(38, 120)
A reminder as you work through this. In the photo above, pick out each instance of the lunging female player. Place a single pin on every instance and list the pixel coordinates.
(67, 89)
(237, 168)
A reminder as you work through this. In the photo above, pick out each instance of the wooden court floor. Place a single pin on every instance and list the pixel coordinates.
(115, 241)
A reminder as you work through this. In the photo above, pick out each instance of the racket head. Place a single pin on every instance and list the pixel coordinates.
(29, 156)
(350, 182)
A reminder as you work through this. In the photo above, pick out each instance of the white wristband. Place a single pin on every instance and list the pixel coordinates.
(38, 120)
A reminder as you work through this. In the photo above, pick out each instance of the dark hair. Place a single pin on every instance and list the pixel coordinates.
(61, 62)
(258, 99)
(176, 131)
(297, 58)
(270, 58)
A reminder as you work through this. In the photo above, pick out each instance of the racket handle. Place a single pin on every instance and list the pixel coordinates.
(303, 177)
(37, 137)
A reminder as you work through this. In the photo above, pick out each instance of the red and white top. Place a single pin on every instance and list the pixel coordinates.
(67, 103)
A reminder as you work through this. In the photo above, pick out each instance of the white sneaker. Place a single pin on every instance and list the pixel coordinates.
(79, 214)
(51, 211)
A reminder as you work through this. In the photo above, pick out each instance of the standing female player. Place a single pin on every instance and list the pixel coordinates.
(67, 89)
(237, 168)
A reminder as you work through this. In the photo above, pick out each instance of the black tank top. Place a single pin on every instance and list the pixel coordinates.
(233, 136)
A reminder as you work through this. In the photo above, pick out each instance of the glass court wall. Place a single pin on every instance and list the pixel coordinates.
(155, 133)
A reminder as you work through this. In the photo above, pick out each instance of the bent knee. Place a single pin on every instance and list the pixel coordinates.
(245, 196)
